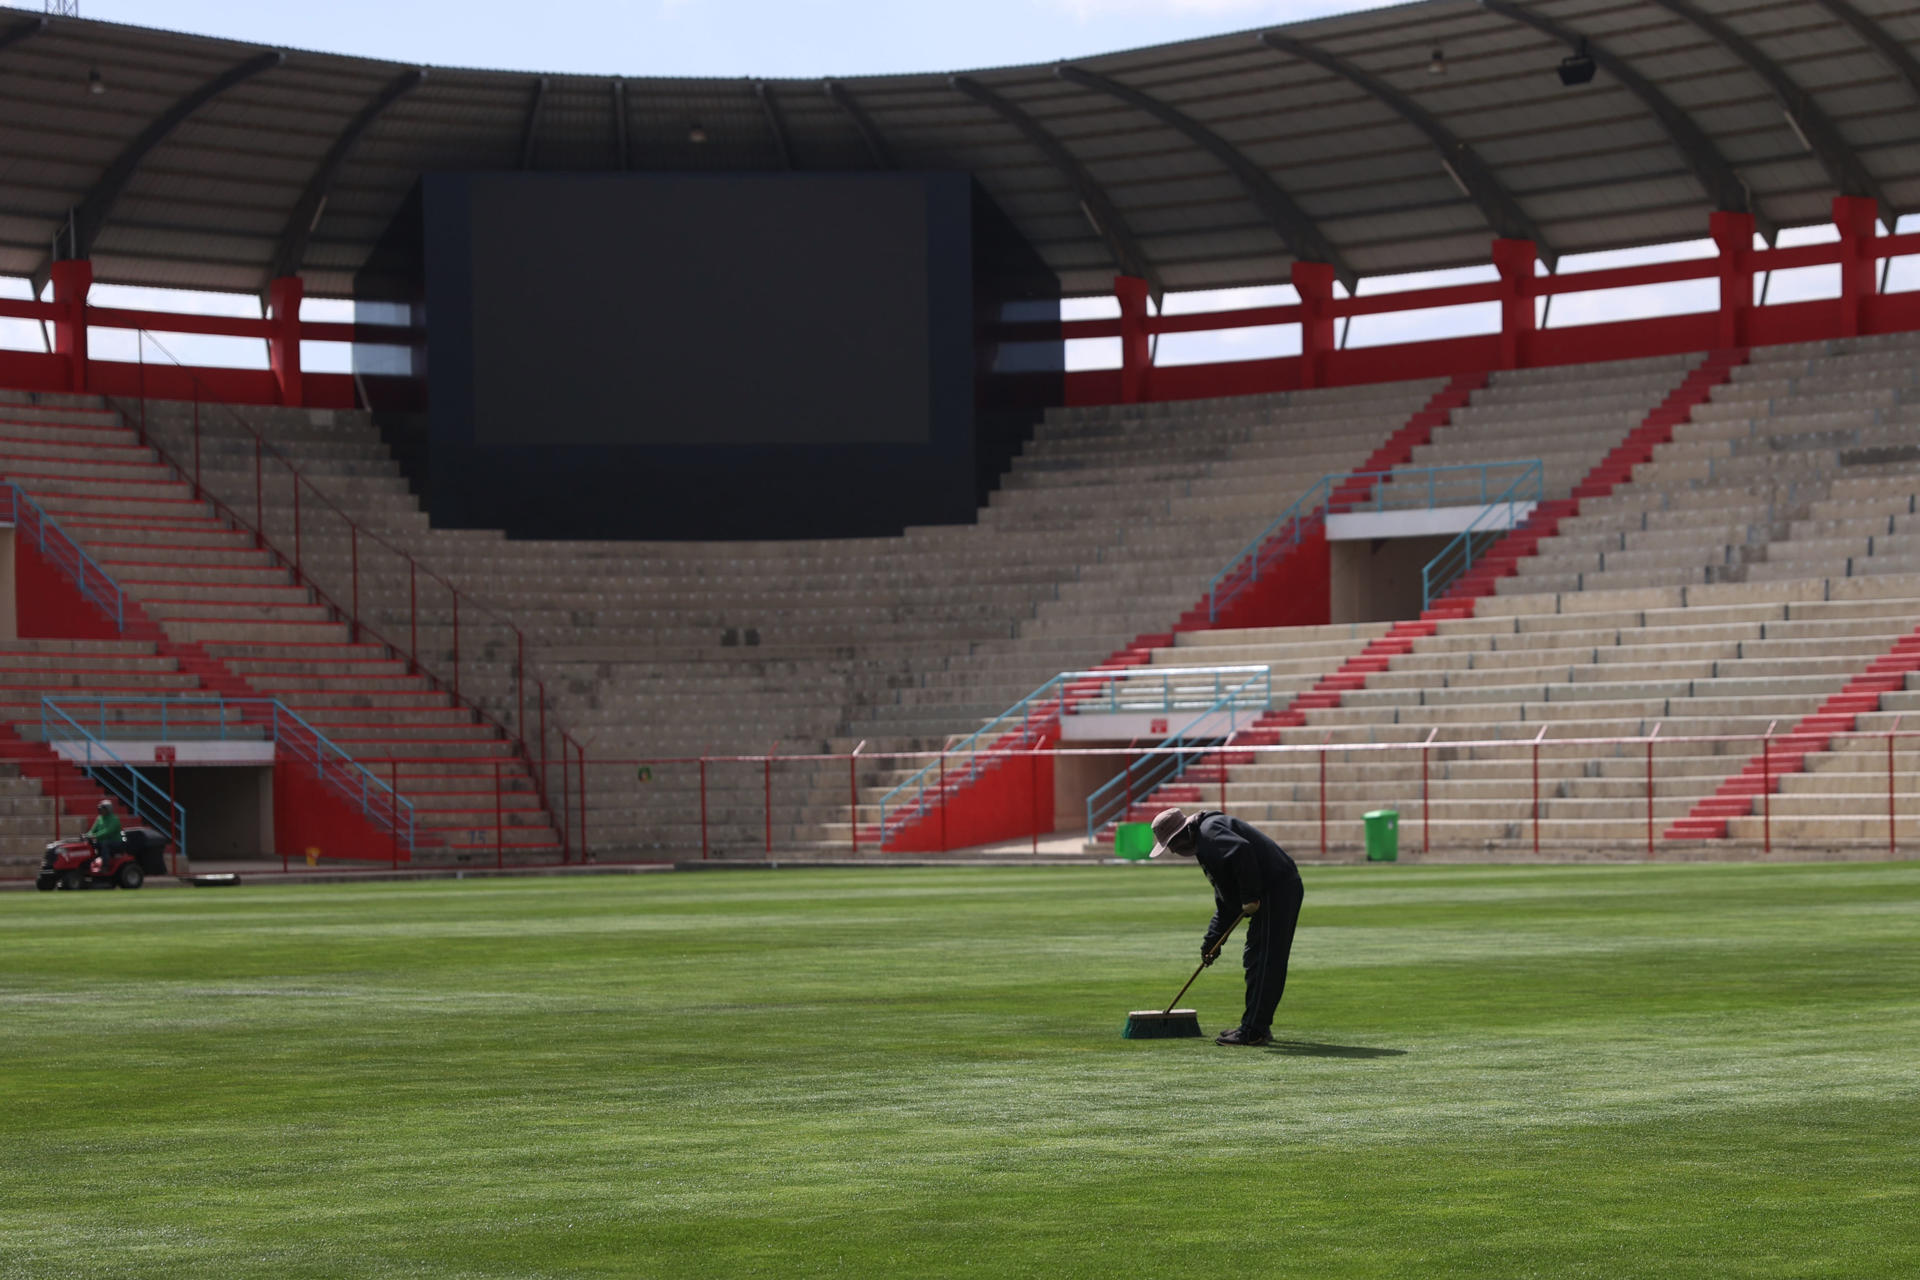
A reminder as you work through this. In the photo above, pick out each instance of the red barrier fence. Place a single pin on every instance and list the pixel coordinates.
(679, 806)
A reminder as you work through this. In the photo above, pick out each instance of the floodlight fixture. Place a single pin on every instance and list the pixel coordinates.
(1437, 64)
(95, 85)
(1577, 67)
(696, 133)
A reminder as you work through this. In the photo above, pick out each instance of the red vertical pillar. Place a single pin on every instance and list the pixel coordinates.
(283, 336)
(1136, 351)
(72, 280)
(1733, 233)
(1514, 260)
(1313, 281)
(1858, 220)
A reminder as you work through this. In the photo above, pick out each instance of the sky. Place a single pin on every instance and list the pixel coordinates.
(759, 38)
(813, 38)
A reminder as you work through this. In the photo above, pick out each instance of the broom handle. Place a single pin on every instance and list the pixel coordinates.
(1203, 964)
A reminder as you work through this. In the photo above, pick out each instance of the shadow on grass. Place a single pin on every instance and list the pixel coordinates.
(1307, 1049)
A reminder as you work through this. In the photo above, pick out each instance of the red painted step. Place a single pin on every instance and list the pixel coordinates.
(1787, 753)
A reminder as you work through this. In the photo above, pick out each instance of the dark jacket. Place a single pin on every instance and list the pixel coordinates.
(1243, 864)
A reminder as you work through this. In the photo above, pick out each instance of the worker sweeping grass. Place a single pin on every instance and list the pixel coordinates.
(1252, 879)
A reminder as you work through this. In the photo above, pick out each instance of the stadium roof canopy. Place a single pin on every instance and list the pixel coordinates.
(204, 163)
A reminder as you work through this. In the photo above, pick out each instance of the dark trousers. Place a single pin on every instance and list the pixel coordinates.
(1269, 943)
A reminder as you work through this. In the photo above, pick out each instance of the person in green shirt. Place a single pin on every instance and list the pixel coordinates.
(106, 828)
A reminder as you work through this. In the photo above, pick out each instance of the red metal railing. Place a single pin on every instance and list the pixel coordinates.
(714, 784)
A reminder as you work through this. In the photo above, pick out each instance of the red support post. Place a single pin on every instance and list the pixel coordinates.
(1890, 814)
(587, 857)
(1323, 799)
(1766, 790)
(766, 800)
(1313, 281)
(1858, 219)
(393, 806)
(72, 280)
(353, 545)
(520, 681)
(1733, 234)
(1033, 793)
(1514, 260)
(297, 560)
(703, 811)
(283, 337)
(197, 491)
(566, 803)
(1426, 804)
(1649, 797)
(1136, 347)
(1536, 794)
(499, 822)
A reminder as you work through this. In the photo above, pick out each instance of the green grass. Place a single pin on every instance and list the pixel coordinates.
(1560, 1072)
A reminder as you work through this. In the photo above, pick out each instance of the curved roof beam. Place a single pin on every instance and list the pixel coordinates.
(869, 134)
(87, 218)
(530, 132)
(1805, 117)
(1298, 231)
(1469, 172)
(1878, 39)
(775, 122)
(1710, 166)
(1099, 210)
(292, 250)
(14, 35)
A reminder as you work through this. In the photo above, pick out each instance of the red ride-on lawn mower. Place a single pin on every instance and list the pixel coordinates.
(124, 863)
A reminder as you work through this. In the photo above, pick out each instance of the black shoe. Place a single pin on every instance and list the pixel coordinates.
(1241, 1037)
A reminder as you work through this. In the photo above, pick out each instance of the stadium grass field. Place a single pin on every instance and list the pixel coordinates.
(1488, 1071)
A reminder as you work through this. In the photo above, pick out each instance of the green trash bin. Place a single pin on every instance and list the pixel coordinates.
(1383, 835)
(1133, 840)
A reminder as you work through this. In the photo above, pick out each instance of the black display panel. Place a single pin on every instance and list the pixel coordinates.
(707, 356)
(708, 309)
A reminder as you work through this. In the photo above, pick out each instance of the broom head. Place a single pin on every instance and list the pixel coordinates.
(1155, 1024)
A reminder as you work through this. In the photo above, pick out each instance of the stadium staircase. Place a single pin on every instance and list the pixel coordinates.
(228, 613)
(1462, 598)
(1270, 584)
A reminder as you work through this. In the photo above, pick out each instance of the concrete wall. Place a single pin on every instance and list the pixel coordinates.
(1379, 580)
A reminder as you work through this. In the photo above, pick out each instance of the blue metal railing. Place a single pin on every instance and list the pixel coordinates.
(1342, 493)
(119, 779)
(213, 718)
(1020, 725)
(1165, 763)
(1498, 517)
(31, 520)
(1288, 530)
(1424, 488)
(1175, 688)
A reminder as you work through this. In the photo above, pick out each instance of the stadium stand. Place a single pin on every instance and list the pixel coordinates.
(1725, 541)
(1713, 594)
(232, 620)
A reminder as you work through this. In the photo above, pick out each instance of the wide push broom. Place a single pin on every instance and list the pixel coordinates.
(1171, 1023)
